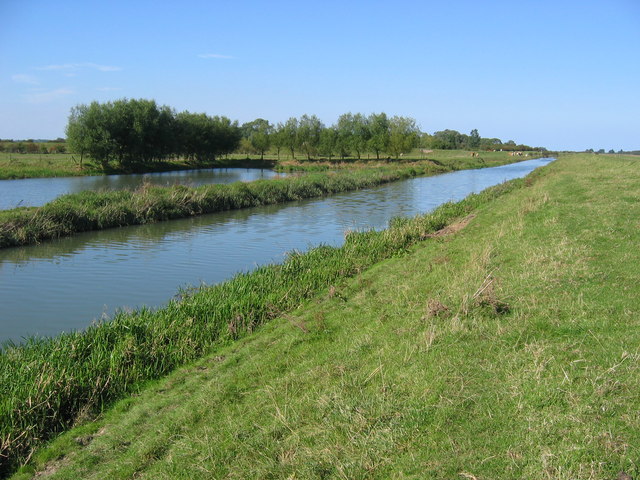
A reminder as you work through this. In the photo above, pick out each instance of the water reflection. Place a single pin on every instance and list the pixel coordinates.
(65, 284)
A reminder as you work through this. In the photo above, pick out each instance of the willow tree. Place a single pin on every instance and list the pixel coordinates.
(403, 135)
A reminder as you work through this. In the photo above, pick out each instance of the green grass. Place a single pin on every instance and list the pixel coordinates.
(508, 350)
(30, 165)
(46, 384)
(91, 210)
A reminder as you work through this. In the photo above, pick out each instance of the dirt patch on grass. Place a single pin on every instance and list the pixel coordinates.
(453, 228)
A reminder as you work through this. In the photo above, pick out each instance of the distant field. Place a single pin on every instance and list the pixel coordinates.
(27, 165)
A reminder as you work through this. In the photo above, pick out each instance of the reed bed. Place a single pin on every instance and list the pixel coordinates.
(91, 210)
(48, 384)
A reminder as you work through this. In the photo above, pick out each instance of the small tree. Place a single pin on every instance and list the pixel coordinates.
(403, 135)
(379, 133)
(278, 138)
(309, 132)
(474, 139)
(290, 135)
(259, 134)
(328, 142)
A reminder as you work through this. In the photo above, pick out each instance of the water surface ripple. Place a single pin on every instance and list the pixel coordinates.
(66, 284)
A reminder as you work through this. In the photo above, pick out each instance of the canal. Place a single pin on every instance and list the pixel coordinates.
(69, 283)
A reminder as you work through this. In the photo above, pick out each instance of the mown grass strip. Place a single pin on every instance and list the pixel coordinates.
(46, 384)
(91, 210)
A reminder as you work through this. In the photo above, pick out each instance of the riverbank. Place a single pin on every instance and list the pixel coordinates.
(92, 210)
(506, 347)
(450, 159)
(83, 371)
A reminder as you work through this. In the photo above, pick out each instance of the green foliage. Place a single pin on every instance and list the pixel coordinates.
(328, 142)
(129, 132)
(123, 132)
(379, 130)
(309, 134)
(258, 133)
(474, 139)
(289, 135)
(202, 138)
(353, 134)
(403, 135)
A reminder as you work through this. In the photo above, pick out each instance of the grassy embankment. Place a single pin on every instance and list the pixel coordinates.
(90, 210)
(46, 384)
(510, 349)
(454, 159)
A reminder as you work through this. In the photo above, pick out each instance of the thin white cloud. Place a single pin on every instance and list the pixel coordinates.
(214, 55)
(77, 66)
(48, 96)
(24, 78)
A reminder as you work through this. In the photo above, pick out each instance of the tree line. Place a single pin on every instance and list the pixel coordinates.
(127, 132)
(33, 146)
(353, 135)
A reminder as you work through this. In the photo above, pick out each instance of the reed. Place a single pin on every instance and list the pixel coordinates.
(48, 384)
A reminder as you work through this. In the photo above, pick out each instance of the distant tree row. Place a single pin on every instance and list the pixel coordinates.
(632, 152)
(352, 135)
(454, 140)
(31, 146)
(129, 132)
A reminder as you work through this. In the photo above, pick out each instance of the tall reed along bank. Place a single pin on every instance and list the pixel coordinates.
(91, 210)
(46, 385)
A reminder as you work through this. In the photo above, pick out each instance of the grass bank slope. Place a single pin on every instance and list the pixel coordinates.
(509, 349)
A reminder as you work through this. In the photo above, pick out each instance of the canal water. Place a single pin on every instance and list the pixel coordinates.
(69, 283)
(34, 192)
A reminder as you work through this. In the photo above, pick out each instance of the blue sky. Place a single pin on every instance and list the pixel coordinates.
(563, 74)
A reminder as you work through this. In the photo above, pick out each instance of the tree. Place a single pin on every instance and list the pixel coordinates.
(379, 133)
(309, 131)
(278, 138)
(403, 135)
(259, 134)
(344, 130)
(474, 139)
(353, 134)
(328, 141)
(290, 135)
(125, 131)
(203, 138)
(77, 131)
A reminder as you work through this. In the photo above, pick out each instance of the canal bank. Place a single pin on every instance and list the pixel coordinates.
(84, 371)
(88, 277)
